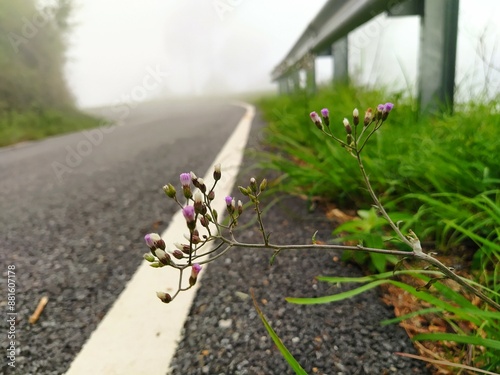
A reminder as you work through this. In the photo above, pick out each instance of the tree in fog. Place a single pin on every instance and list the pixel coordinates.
(32, 55)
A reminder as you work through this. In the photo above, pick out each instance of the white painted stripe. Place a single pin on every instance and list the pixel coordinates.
(139, 334)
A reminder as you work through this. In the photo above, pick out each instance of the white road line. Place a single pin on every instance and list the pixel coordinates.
(139, 334)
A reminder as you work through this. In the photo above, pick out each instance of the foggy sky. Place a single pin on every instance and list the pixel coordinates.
(141, 48)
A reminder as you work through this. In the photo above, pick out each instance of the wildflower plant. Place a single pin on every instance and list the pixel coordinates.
(204, 224)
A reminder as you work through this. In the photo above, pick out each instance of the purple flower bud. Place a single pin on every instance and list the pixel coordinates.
(151, 238)
(388, 107)
(325, 113)
(154, 241)
(316, 119)
(314, 116)
(195, 270)
(188, 212)
(185, 179)
(229, 204)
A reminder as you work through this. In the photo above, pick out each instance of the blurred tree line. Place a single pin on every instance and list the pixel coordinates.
(33, 41)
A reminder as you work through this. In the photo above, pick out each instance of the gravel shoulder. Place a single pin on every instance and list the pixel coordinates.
(224, 335)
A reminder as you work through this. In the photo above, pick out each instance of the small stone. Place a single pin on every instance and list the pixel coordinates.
(225, 323)
(340, 366)
(295, 340)
(242, 296)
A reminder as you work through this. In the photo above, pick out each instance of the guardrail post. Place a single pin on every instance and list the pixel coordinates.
(340, 61)
(438, 48)
(282, 89)
(311, 79)
(295, 78)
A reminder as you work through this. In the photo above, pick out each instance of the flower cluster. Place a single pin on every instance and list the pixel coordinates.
(200, 216)
(354, 141)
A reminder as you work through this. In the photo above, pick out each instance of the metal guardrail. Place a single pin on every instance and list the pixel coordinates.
(327, 34)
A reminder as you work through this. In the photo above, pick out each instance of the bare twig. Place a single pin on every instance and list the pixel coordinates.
(39, 309)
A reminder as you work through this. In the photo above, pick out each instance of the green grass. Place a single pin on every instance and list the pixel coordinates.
(439, 175)
(410, 154)
(447, 304)
(17, 126)
(417, 164)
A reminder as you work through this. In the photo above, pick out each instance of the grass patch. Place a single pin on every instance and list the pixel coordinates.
(410, 154)
(18, 126)
(416, 163)
(439, 174)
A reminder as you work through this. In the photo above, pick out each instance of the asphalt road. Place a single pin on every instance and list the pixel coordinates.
(74, 210)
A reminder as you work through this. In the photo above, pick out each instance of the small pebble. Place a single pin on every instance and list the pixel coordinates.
(225, 323)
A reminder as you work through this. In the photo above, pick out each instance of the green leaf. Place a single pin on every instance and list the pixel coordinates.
(473, 340)
(277, 341)
(336, 297)
(423, 295)
(379, 261)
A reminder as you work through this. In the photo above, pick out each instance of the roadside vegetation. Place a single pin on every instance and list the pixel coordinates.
(34, 99)
(437, 175)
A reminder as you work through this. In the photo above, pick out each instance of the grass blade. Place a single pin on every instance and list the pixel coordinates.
(277, 341)
(336, 297)
(473, 340)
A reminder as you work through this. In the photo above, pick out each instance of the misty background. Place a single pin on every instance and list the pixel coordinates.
(116, 51)
(226, 46)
